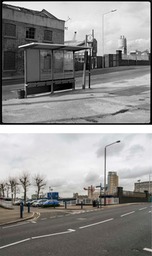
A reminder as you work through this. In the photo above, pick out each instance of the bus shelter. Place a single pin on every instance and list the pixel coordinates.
(49, 67)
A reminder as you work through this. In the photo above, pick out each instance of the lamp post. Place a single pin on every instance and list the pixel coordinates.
(105, 168)
(103, 31)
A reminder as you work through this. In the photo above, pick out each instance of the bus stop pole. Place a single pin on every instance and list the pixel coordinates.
(90, 69)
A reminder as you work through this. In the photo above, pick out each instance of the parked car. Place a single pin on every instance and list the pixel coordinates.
(51, 203)
(17, 202)
(39, 202)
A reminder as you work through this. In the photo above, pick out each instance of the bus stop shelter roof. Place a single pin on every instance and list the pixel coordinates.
(46, 46)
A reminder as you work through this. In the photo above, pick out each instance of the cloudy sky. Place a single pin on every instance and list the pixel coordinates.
(72, 161)
(132, 19)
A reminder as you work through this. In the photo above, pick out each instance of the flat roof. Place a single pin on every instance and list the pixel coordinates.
(53, 47)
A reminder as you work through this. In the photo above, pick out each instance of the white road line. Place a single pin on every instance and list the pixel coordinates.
(54, 234)
(8, 245)
(14, 225)
(147, 249)
(127, 214)
(142, 208)
(149, 211)
(37, 237)
(97, 223)
(43, 218)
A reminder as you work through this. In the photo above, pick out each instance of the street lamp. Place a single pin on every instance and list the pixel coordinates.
(118, 141)
(103, 29)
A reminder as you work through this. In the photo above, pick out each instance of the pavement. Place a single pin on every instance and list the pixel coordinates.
(126, 101)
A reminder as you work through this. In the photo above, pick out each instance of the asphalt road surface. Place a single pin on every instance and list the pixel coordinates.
(118, 231)
(98, 76)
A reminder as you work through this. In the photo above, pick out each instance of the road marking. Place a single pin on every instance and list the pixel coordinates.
(142, 208)
(43, 218)
(149, 211)
(127, 214)
(37, 237)
(54, 234)
(8, 245)
(97, 223)
(15, 225)
(147, 249)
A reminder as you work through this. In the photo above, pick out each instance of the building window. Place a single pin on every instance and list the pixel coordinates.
(9, 60)
(30, 33)
(10, 30)
(47, 35)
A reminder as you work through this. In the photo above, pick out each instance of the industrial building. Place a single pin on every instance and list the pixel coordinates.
(22, 26)
(143, 186)
(122, 44)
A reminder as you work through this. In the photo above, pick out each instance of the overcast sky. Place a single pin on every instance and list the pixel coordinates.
(70, 162)
(132, 19)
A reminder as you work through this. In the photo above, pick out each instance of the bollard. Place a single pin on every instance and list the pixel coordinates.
(28, 205)
(81, 205)
(21, 210)
(65, 205)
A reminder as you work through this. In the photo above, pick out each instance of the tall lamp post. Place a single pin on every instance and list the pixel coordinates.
(103, 30)
(105, 168)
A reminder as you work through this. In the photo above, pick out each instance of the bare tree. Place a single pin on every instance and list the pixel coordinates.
(2, 188)
(40, 182)
(13, 182)
(25, 182)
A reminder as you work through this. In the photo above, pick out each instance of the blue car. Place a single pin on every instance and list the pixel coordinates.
(50, 203)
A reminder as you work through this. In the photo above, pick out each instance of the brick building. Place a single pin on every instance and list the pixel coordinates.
(21, 26)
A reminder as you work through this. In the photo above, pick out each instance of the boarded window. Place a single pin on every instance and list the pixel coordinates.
(10, 30)
(47, 35)
(9, 60)
(30, 33)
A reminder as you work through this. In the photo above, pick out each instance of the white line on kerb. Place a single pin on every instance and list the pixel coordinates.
(127, 214)
(97, 223)
(147, 249)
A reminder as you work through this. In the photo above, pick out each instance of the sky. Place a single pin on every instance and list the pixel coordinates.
(71, 161)
(132, 19)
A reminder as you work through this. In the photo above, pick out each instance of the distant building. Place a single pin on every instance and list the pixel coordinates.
(112, 182)
(143, 186)
(21, 26)
(122, 44)
(79, 56)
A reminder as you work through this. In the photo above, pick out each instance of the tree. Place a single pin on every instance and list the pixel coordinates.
(2, 188)
(13, 182)
(39, 182)
(25, 182)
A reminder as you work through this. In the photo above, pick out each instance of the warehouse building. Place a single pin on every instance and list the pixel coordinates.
(22, 26)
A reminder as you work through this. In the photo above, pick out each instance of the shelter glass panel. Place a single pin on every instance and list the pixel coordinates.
(58, 64)
(68, 64)
(46, 65)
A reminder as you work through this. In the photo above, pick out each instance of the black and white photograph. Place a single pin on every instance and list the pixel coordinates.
(76, 62)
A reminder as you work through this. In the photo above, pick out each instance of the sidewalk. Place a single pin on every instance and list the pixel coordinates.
(127, 101)
(8, 216)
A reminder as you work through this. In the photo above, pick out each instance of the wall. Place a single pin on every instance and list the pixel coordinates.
(131, 197)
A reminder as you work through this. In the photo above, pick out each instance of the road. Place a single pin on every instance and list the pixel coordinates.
(107, 75)
(123, 230)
